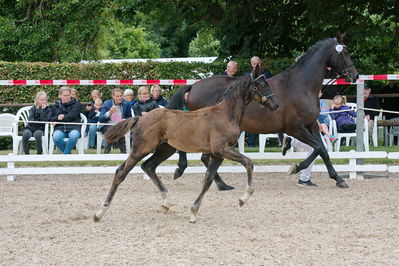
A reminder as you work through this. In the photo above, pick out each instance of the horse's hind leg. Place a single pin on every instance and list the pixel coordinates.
(162, 152)
(119, 177)
(213, 165)
(231, 154)
(219, 182)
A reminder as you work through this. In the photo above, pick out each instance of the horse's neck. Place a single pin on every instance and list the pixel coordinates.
(313, 70)
(234, 104)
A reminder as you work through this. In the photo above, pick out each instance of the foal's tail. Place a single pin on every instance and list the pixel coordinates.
(119, 130)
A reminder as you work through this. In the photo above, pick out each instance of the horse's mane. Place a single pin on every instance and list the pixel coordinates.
(230, 90)
(309, 53)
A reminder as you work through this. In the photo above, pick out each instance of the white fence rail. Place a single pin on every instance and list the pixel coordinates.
(355, 170)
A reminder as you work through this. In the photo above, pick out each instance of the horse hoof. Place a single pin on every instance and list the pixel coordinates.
(225, 187)
(96, 219)
(240, 202)
(177, 174)
(293, 169)
(165, 208)
(342, 184)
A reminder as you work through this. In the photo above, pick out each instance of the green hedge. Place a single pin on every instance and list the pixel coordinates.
(149, 70)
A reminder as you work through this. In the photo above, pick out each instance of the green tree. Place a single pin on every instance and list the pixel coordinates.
(205, 44)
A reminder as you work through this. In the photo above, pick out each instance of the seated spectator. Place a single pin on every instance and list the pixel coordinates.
(112, 112)
(156, 95)
(74, 94)
(324, 120)
(370, 101)
(67, 109)
(93, 117)
(231, 69)
(128, 96)
(145, 103)
(40, 112)
(345, 120)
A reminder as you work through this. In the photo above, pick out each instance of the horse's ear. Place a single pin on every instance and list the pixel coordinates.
(257, 71)
(340, 37)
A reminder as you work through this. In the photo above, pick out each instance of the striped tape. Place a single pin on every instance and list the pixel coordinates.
(123, 82)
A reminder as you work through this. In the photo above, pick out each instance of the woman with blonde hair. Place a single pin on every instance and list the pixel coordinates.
(40, 112)
(145, 103)
(344, 119)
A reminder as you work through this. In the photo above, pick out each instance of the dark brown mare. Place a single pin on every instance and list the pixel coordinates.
(297, 90)
(212, 130)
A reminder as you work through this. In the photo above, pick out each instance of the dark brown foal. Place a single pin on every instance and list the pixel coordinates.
(212, 130)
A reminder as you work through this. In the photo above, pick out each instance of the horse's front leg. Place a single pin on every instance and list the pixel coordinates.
(312, 138)
(119, 177)
(222, 186)
(231, 154)
(213, 166)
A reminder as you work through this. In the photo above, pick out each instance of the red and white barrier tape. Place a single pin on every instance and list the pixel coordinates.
(131, 82)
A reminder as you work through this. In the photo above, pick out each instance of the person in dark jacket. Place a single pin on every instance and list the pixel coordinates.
(231, 69)
(370, 101)
(145, 103)
(156, 95)
(92, 117)
(67, 109)
(40, 112)
(114, 111)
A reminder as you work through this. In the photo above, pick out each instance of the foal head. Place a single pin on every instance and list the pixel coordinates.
(260, 90)
(341, 62)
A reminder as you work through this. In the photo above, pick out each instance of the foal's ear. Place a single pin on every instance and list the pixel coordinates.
(257, 71)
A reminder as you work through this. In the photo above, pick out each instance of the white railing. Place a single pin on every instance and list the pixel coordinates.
(355, 170)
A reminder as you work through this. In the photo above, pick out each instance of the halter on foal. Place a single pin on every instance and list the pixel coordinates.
(212, 130)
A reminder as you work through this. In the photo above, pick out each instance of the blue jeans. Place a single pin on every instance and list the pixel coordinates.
(92, 135)
(66, 146)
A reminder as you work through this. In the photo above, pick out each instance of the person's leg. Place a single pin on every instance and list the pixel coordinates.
(107, 146)
(58, 138)
(251, 140)
(122, 145)
(92, 136)
(25, 140)
(73, 137)
(371, 127)
(38, 137)
(304, 178)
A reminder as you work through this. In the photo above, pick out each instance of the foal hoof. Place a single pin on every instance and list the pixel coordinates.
(240, 202)
(293, 169)
(96, 219)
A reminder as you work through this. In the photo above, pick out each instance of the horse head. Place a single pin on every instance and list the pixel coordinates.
(262, 93)
(341, 62)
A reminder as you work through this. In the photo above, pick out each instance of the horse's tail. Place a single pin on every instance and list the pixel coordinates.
(119, 130)
(177, 101)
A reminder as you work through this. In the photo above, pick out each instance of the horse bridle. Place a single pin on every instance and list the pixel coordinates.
(340, 57)
(263, 98)
(339, 48)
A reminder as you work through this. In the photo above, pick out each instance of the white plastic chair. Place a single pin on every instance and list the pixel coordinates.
(23, 114)
(348, 136)
(7, 128)
(263, 139)
(80, 145)
(393, 132)
(376, 129)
